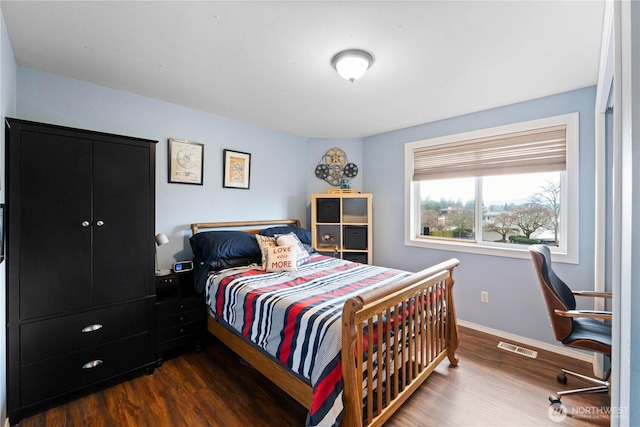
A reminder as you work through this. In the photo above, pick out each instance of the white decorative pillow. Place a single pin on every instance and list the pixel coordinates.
(291, 239)
(265, 243)
(281, 258)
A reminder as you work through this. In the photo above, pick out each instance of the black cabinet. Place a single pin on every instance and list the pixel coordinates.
(80, 260)
(181, 315)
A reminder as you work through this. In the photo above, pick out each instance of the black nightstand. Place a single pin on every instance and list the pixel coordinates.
(180, 315)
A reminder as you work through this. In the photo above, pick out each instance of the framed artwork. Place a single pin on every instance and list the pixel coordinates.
(236, 167)
(185, 162)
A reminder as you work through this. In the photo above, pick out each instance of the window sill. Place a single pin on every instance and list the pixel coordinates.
(517, 251)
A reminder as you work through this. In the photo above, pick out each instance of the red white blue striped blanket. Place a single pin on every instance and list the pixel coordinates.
(295, 317)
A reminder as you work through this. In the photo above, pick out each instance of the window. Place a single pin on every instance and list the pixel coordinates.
(496, 191)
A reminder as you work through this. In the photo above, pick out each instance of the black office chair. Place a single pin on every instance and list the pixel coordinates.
(583, 329)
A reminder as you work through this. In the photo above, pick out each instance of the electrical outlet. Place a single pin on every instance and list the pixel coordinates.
(484, 296)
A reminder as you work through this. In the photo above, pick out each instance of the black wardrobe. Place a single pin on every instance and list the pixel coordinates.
(79, 219)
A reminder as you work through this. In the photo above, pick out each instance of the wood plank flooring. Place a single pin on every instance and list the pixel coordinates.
(489, 387)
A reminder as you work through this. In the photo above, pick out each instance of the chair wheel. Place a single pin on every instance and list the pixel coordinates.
(562, 378)
(554, 400)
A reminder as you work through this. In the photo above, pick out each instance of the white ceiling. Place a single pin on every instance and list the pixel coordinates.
(268, 62)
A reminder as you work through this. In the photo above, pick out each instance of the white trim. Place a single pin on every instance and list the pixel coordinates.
(603, 91)
(576, 354)
(600, 223)
(613, 81)
(605, 68)
(569, 194)
(605, 80)
(626, 127)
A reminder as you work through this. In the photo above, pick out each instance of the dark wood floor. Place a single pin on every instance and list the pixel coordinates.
(490, 387)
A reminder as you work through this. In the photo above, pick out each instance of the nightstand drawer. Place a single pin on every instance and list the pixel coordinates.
(59, 375)
(167, 334)
(169, 308)
(180, 318)
(183, 341)
(62, 335)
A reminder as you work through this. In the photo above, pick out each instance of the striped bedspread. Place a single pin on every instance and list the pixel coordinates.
(295, 317)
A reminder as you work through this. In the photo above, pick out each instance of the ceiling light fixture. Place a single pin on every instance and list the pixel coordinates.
(352, 64)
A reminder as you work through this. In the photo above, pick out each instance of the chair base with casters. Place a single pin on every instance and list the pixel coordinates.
(602, 387)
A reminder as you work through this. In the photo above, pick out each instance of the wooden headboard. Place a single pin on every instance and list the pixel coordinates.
(244, 225)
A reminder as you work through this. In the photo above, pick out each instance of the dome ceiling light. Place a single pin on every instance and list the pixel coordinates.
(352, 64)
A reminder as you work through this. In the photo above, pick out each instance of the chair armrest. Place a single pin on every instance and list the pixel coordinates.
(593, 314)
(594, 294)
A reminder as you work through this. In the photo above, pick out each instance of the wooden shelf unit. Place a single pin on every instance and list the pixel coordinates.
(341, 226)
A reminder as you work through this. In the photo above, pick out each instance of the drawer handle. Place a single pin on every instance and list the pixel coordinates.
(92, 328)
(92, 364)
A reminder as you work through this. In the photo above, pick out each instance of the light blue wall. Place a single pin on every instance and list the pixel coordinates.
(515, 304)
(7, 107)
(278, 181)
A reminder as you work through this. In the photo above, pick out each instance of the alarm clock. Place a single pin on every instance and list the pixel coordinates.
(182, 266)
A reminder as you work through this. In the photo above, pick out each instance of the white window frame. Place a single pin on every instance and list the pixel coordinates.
(569, 195)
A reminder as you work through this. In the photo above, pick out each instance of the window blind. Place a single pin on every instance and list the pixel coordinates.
(537, 150)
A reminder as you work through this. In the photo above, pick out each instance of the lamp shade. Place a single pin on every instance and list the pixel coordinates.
(352, 64)
(161, 239)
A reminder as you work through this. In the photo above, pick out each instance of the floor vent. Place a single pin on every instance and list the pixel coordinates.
(519, 350)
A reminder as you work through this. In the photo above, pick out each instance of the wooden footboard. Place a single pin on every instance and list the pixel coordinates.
(413, 328)
(396, 337)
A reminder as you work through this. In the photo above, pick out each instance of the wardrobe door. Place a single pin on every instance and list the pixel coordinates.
(53, 190)
(123, 237)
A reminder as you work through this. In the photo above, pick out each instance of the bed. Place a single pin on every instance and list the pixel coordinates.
(294, 325)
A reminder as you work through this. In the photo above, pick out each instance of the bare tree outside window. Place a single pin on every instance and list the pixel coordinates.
(430, 221)
(531, 217)
(502, 224)
(549, 196)
(462, 222)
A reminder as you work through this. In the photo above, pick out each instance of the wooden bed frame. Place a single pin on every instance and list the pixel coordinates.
(422, 302)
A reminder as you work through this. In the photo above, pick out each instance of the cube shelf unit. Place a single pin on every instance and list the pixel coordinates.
(341, 225)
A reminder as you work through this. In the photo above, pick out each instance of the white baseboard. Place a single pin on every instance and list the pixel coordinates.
(587, 357)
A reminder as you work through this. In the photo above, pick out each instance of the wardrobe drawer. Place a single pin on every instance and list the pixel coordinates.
(62, 335)
(66, 373)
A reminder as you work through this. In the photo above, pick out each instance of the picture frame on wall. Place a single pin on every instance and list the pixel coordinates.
(236, 169)
(186, 162)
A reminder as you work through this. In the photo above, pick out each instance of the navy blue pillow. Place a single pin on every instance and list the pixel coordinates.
(212, 246)
(215, 250)
(303, 235)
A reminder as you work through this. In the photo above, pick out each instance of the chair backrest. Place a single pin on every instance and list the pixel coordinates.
(557, 295)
